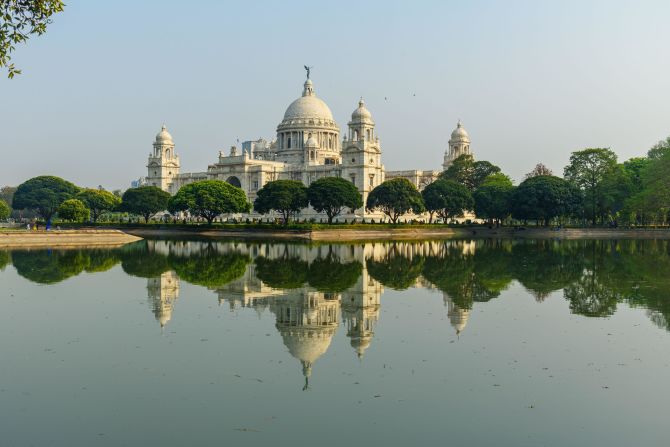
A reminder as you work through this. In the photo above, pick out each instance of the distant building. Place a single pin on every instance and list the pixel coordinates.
(307, 147)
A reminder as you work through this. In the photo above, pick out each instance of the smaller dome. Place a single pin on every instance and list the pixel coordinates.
(361, 113)
(164, 136)
(460, 134)
(311, 142)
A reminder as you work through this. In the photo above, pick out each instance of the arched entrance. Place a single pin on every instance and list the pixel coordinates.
(234, 181)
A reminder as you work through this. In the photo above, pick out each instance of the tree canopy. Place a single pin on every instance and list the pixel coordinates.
(5, 211)
(395, 198)
(99, 201)
(287, 197)
(43, 194)
(587, 170)
(209, 199)
(7, 194)
(543, 198)
(73, 210)
(20, 20)
(659, 149)
(447, 198)
(493, 197)
(145, 201)
(539, 169)
(331, 195)
(468, 172)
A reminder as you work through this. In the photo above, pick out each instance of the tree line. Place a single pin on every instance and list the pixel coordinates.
(595, 189)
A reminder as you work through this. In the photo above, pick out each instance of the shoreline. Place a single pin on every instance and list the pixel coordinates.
(403, 233)
(65, 238)
(118, 236)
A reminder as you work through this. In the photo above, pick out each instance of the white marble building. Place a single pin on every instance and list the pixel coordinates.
(307, 146)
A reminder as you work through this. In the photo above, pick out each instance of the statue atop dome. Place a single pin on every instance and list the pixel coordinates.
(308, 70)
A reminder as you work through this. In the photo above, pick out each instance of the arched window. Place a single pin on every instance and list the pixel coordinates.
(288, 144)
(234, 181)
(355, 135)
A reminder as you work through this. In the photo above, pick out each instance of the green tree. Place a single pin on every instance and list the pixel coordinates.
(287, 197)
(7, 194)
(659, 149)
(543, 198)
(539, 169)
(43, 194)
(587, 170)
(446, 198)
(99, 201)
(635, 169)
(493, 197)
(331, 195)
(5, 211)
(615, 189)
(209, 199)
(145, 201)
(19, 20)
(468, 172)
(654, 199)
(395, 198)
(73, 210)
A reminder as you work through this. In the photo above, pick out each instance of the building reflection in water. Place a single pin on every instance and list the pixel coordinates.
(163, 292)
(307, 318)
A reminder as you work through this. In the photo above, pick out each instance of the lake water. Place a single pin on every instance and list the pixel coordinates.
(478, 343)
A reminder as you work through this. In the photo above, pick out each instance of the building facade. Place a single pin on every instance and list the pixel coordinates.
(308, 146)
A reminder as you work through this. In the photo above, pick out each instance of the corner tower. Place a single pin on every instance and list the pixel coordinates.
(459, 144)
(163, 164)
(361, 152)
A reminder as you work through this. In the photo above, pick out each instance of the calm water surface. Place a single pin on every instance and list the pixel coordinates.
(175, 343)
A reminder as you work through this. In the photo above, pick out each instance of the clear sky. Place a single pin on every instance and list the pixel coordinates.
(531, 80)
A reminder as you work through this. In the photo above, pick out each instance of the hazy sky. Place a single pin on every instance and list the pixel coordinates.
(532, 81)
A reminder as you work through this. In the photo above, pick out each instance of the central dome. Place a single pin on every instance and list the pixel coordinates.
(308, 106)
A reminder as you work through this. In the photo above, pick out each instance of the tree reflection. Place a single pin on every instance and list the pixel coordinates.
(594, 276)
(329, 274)
(4, 259)
(545, 266)
(138, 260)
(210, 269)
(286, 272)
(49, 266)
(395, 270)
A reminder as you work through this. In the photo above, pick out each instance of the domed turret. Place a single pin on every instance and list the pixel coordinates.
(460, 134)
(459, 144)
(361, 114)
(164, 137)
